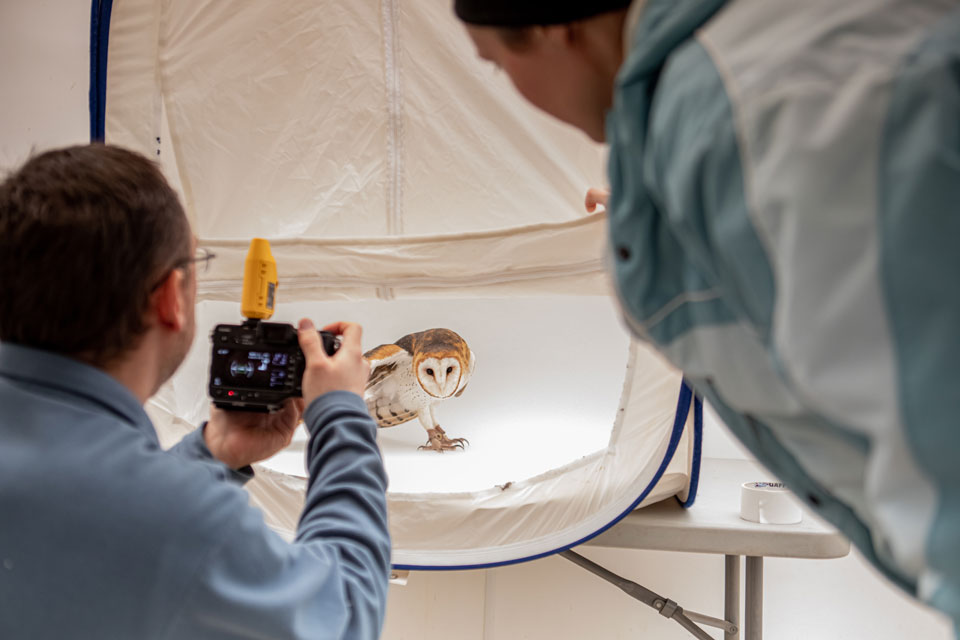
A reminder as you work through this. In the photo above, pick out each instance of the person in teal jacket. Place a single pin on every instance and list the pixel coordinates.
(102, 533)
(784, 213)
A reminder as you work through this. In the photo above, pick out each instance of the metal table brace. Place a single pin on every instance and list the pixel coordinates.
(688, 619)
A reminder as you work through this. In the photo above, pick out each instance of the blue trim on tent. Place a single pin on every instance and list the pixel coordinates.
(684, 401)
(100, 11)
(697, 453)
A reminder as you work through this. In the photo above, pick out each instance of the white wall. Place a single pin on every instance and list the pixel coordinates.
(44, 76)
(43, 84)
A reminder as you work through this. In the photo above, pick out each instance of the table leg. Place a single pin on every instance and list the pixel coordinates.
(731, 594)
(753, 601)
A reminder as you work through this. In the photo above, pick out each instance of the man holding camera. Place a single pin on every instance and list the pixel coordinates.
(103, 534)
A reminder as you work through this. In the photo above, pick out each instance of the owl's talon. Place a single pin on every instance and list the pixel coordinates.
(439, 442)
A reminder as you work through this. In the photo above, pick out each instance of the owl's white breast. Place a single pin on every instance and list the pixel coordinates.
(401, 388)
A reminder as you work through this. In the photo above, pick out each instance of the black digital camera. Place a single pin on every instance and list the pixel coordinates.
(255, 366)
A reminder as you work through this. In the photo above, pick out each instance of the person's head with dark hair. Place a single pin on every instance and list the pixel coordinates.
(561, 56)
(96, 259)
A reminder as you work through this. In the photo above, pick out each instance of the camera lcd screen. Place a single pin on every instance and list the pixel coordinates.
(252, 369)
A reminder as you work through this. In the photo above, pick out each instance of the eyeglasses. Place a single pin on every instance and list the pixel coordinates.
(201, 258)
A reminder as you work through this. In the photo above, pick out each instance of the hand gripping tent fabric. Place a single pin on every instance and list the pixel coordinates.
(404, 185)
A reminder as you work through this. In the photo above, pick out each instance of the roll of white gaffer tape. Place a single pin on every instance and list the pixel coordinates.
(768, 503)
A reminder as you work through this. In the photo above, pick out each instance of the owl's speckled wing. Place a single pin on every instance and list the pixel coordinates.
(383, 361)
(393, 395)
(383, 352)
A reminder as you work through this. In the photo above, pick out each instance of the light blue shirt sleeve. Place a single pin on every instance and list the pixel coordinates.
(193, 447)
(332, 581)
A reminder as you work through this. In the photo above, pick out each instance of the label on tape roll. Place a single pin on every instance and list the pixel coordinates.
(769, 503)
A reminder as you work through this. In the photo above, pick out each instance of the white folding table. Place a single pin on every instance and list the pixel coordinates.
(713, 525)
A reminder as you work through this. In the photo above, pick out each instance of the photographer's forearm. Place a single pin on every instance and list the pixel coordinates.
(345, 502)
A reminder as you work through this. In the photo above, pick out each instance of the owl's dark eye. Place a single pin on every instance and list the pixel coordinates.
(449, 370)
(429, 372)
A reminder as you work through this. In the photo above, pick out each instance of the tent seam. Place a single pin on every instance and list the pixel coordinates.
(394, 114)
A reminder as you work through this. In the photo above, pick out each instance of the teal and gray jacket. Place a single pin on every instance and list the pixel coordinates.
(785, 226)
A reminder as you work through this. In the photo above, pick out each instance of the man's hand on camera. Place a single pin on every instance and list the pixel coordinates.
(239, 438)
(346, 370)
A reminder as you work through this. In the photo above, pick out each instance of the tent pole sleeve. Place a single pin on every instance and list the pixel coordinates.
(100, 11)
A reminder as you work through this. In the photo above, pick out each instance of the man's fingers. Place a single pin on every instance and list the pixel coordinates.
(310, 341)
(341, 328)
(351, 332)
(336, 328)
(347, 370)
(594, 197)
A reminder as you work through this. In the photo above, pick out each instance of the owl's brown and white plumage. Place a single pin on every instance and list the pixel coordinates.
(411, 376)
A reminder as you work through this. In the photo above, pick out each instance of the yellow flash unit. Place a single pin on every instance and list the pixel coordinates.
(259, 281)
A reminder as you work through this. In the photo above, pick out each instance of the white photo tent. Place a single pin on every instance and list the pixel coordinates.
(404, 185)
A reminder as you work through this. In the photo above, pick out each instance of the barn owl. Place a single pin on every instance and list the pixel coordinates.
(410, 377)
